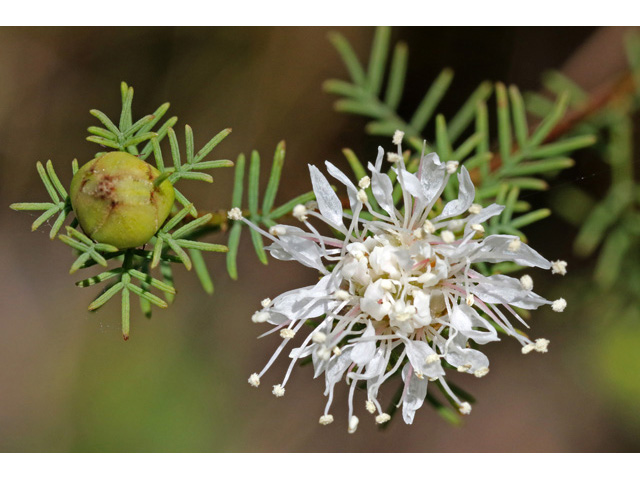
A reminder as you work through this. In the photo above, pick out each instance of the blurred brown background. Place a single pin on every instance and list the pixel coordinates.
(67, 380)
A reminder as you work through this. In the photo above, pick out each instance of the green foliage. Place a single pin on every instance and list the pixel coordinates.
(611, 222)
(177, 235)
(521, 159)
(265, 214)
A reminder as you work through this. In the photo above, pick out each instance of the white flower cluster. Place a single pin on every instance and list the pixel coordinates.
(398, 291)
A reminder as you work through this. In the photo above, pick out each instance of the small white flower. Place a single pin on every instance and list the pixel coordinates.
(398, 292)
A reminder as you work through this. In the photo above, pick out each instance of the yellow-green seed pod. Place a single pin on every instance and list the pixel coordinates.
(117, 203)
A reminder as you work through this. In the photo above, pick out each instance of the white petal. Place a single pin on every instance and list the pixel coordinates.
(364, 349)
(382, 189)
(415, 393)
(466, 194)
(352, 191)
(328, 202)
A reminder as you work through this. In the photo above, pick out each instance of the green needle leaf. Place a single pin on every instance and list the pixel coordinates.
(211, 144)
(378, 59)
(254, 183)
(274, 178)
(201, 270)
(105, 121)
(397, 76)
(126, 313)
(348, 57)
(431, 100)
(232, 254)
(106, 296)
(256, 238)
(188, 134)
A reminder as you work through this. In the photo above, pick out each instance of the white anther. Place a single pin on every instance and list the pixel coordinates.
(477, 228)
(428, 227)
(362, 196)
(481, 372)
(397, 137)
(234, 214)
(325, 419)
(464, 368)
(447, 236)
(452, 166)
(541, 345)
(383, 418)
(559, 266)
(559, 305)
(353, 424)
(475, 209)
(277, 230)
(287, 333)
(336, 351)
(266, 302)
(278, 390)
(514, 245)
(432, 358)
(369, 405)
(455, 225)
(418, 233)
(300, 212)
(364, 182)
(527, 282)
(324, 353)
(311, 205)
(254, 380)
(418, 374)
(342, 295)
(260, 317)
(465, 408)
(426, 277)
(387, 285)
(319, 337)
(470, 299)
(393, 157)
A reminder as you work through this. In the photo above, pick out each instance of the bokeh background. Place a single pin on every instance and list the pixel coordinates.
(69, 383)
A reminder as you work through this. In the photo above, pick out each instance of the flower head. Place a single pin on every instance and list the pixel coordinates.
(398, 293)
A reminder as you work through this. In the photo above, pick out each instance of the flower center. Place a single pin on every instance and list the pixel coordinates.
(397, 278)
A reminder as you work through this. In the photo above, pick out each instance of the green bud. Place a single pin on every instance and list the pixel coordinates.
(117, 203)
